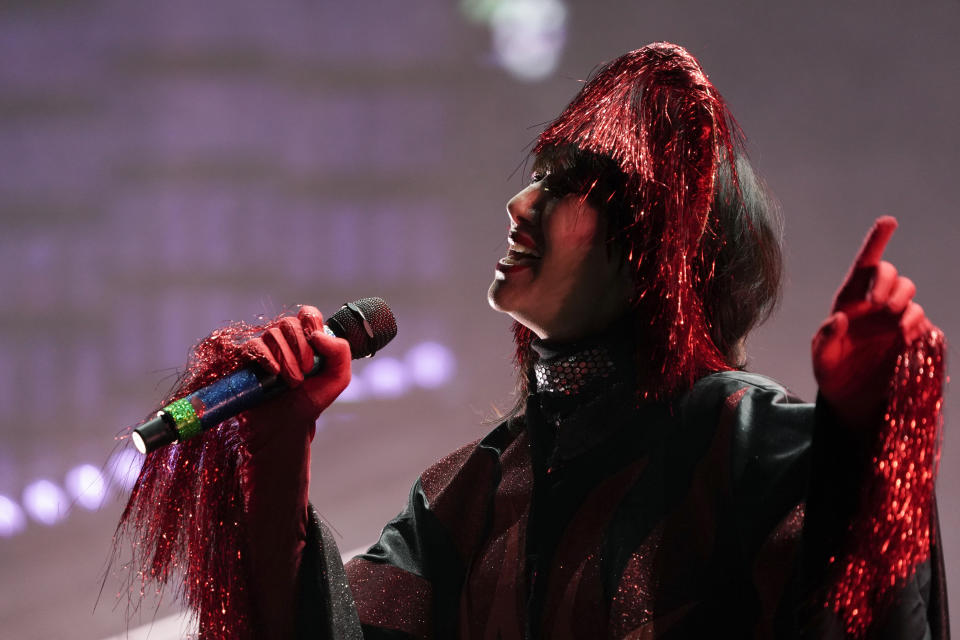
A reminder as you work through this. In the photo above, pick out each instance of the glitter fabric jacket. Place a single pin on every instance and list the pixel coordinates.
(715, 515)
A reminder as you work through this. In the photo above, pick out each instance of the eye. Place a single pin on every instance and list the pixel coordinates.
(538, 176)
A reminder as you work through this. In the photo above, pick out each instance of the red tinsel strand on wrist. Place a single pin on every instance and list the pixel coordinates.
(185, 519)
(891, 534)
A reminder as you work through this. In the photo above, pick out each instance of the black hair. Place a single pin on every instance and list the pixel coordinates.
(746, 285)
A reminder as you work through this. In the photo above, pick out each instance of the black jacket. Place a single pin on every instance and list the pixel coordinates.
(714, 515)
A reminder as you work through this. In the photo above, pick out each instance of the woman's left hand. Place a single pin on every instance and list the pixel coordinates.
(873, 318)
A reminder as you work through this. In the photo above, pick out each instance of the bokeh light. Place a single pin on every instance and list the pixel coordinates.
(355, 391)
(12, 520)
(45, 502)
(124, 467)
(87, 486)
(528, 36)
(430, 364)
(386, 378)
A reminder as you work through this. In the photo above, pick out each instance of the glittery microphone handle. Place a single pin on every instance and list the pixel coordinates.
(210, 406)
(367, 325)
(891, 534)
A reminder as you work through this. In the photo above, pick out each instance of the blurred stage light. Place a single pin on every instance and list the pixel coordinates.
(386, 378)
(86, 485)
(430, 364)
(124, 467)
(45, 502)
(528, 36)
(355, 391)
(12, 520)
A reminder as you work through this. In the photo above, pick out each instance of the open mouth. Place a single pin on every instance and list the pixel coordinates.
(522, 252)
(522, 243)
(517, 257)
(515, 260)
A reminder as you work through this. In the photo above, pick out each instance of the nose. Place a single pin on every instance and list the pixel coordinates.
(521, 208)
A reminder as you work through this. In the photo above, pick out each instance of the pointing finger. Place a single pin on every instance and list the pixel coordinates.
(875, 242)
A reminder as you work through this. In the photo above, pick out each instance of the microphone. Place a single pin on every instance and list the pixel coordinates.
(367, 324)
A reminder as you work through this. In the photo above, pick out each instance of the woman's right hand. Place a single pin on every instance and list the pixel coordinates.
(286, 349)
(275, 475)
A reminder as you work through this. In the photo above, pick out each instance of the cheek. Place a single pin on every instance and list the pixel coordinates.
(574, 257)
(575, 237)
(576, 225)
(577, 233)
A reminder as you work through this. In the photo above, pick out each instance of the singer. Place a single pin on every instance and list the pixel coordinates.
(645, 485)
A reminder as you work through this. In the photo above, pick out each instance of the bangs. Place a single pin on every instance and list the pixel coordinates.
(569, 169)
(555, 159)
(572, 161)
(597, 178)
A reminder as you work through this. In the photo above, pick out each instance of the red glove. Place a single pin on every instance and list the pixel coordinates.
(276, 473)
(286, 349)
(873, 318)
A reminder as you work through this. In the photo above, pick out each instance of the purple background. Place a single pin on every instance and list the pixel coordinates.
(167, 167)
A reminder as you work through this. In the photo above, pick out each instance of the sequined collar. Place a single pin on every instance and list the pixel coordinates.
(572, 373)
(584, 392)
(585, 367)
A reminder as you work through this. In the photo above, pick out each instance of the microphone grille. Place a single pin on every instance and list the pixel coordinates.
(367, 324)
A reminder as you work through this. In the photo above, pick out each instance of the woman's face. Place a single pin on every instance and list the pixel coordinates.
(558, 277)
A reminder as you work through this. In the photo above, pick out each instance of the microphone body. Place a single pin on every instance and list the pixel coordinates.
(367, 324)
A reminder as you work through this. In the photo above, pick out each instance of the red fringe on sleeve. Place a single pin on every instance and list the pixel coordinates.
(891, 534)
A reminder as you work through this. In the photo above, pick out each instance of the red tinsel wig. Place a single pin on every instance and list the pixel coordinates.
(649, 142)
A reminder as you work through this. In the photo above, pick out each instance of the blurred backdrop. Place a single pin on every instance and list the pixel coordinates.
(168, 167)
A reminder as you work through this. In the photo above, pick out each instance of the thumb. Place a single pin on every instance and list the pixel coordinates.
(828, 341)
(835, 326)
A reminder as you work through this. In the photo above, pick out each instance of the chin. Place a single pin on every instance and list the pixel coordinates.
(498, 297)
(502, 299)
(511, 301)
(505, 298)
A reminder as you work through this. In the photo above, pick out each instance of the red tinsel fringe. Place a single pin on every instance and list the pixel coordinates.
(184, 520)
(891, 534)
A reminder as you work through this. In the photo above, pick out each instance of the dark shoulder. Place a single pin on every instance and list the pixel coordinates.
(472, 457)
(750, 399)
(769, 430)
(726, 392)
(717, 387)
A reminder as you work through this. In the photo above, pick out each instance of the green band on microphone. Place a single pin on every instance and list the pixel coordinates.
(184, 418)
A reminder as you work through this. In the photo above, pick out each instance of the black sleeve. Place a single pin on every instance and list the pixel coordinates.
(325, 607)
(405, 586)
